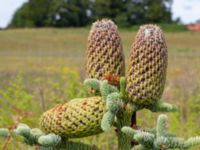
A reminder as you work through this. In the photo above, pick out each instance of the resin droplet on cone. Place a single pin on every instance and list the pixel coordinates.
(76, 118)
(104, 51)
(146, 73)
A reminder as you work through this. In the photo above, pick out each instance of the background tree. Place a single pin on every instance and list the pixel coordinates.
(71, 13)
(113, 9)
(148, 11)
(21, 17)
(65, 13)
(34, 13)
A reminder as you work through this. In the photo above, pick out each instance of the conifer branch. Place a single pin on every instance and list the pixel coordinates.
(4, 132)
(49, 140)
(35, 137)
(163, 107)
(106, 89)
(159, 138)
(191, 142)
(123, 88)
(145, 138)
(161, 125)
(129, 131)
(113, 102)
(92, 83)
(107, 121)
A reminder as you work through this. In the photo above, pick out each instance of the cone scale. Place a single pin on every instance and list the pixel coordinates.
(146, 73)
(104, 55)
(76, 118)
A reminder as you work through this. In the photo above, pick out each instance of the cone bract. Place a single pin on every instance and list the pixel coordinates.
(76, 118)
(147, 67)
(104, 51)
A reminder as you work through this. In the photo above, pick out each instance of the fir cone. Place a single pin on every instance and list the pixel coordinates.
(104, 51)
(146, 73)
(76, 118)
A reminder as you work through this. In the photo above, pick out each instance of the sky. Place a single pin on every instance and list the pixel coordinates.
(187, 10)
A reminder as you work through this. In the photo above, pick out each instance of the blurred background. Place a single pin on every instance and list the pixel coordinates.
(42, 49)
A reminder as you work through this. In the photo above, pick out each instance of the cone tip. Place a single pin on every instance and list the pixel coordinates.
(104, 24)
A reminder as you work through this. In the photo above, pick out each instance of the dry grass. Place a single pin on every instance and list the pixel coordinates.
(25, 49)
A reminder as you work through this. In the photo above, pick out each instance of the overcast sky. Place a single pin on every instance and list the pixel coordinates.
(187, 10)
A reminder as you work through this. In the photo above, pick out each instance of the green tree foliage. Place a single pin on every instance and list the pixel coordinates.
(114, 9)
(21, 17)
(59, 13)
(71, 13)
(146, 11)
(34, 13)
(40, 13)
(65, 13)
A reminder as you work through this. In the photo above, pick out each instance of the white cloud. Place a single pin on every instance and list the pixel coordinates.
(187, 10)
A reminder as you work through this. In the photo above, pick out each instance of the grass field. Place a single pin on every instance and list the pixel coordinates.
(48, 58)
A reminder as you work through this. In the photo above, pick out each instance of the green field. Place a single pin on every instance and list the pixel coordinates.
(51, 65)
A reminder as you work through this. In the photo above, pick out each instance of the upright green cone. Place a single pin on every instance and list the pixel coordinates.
(104, 51)
(76, 118)
(146, 73)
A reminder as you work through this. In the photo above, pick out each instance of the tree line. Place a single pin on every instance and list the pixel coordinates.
(77, 13)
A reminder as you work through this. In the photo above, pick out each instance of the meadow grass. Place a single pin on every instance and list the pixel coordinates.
(45, 58)
(27, 48)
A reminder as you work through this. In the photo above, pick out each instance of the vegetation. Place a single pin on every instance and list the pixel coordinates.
(76, 13)
(34, 51)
